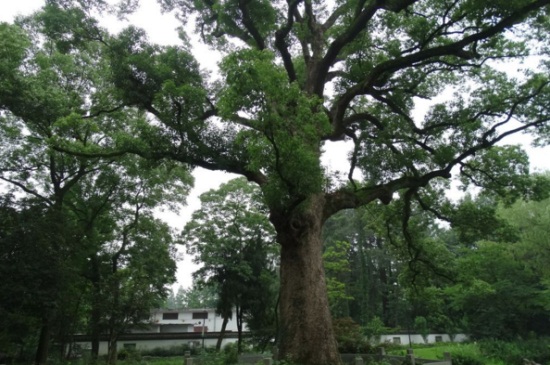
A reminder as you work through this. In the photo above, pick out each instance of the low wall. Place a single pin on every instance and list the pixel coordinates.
(415, 338)
(149, 341)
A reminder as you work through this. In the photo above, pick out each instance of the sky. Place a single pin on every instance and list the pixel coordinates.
(161, 29)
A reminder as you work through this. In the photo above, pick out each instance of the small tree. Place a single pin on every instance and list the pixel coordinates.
(198, 296)
(421, 326)
(234, 241)
(375, 328)
(337, 268)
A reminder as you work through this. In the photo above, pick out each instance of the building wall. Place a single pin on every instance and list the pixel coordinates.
(403, 338)
(175, 328)
(142, 345)
(175, 321)
(193, 320)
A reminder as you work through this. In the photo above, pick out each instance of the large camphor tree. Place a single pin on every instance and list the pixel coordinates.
(297, 74)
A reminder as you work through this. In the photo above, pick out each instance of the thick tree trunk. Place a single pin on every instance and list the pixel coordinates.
(307, 336)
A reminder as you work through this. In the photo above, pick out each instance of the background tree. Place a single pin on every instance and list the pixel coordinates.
(372, 280)
(528, 220)
(234, 242)
(52, 86)
(42, 91)
(299, 74)
(141, 265)
(32, 270)
(421, 326)
(336, 264)
(170, 302)
(494, 292)
(198, 296)
(502, 287)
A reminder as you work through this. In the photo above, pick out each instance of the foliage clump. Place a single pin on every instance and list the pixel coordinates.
(516, 352)
(350, 336)
(466, 359)
(169, 351)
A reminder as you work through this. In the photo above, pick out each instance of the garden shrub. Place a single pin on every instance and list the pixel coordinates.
(514, 353)
(374, 328)
(349, 336)
(211, 358)
(228, 356)
(231, 355)
(169, 351)
(389, 348)
(466, 359)
(129, 354)
(375, 362)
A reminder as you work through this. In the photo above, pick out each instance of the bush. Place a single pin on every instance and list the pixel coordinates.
(374, 362)
(228, 356)
(169, 351)
(389, 348)
(513, 353)
(231, 355)
(349, 336)
(217, 358)
(129, 354)
(466, 359)
(375, 328)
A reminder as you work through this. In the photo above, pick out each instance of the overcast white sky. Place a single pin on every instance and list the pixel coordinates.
(161, 30)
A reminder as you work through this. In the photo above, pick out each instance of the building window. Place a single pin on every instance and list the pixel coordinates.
(438, 338)
(169, 315)
(397, 340)
(200, 315)
(130, 346)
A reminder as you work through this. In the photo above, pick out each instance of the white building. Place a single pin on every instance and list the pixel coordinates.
(188, 320)
(406, 339)
(169, 328)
